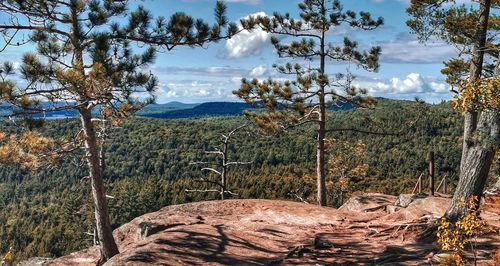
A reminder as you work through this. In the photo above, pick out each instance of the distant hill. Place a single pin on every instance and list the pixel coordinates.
(165, 107)
(174, 110)
(7, 109)
(151, 109)
(175, 105)
(204, 109)
(215, 109)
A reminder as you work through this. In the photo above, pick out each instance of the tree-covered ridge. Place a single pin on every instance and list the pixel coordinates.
(48, 212)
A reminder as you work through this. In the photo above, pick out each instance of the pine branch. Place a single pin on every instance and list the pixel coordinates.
(364, 131)
(237, 163)
(202, 190)
(211, 170)
(34, 28)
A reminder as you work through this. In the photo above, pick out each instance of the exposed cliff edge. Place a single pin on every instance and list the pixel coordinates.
(369, 229)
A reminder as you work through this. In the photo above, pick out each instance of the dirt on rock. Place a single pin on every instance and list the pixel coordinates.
(367, 230)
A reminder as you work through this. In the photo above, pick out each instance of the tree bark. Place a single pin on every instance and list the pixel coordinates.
(477, 162)
(320, 153)
(478, 152)
(497, 74)
(224, 170)
(320, 165)
(431, 173)
(104, 231)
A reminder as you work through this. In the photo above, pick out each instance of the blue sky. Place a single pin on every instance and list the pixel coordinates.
(408, 69)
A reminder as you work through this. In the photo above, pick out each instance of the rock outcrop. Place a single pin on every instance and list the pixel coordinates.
(368, 229)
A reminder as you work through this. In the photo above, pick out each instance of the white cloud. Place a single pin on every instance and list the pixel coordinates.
(171, 94)
(412, 83)
(409, 87)
(247, 43)
(196, 91)
(236, 79)
(218, 71)
(439, 87)
(258, 71)
(407, 49)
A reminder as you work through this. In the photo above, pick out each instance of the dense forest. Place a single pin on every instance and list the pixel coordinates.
(48, 212)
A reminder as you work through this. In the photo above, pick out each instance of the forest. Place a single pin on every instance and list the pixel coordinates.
(48, 212)
(81, 153)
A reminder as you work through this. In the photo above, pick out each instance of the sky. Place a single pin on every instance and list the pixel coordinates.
(408, 69)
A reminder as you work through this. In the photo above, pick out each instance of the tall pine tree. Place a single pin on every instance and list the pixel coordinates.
(307, 98)
(85, 59)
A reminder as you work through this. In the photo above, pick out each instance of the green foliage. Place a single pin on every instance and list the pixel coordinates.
(47, 213)
(305, 98)
(456, 24)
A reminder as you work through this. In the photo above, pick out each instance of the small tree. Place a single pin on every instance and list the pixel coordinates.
(473, 30)
(85, 61)
(307, 98)
(219, 167)
(345, 162)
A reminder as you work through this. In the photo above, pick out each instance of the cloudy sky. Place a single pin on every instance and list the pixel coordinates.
(408, 69)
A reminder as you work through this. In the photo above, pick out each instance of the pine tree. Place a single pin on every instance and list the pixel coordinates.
(474, 77)
(87, 59)
(307, 98)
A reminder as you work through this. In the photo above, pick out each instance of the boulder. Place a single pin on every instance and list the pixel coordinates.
(368, 202)
(404, 200)
(146, 229)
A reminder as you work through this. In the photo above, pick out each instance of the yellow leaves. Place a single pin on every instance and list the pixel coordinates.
(455, 236)
(344, 161)
(6, 89)
(27, 150)
(344, 183)
(360, 170)
(92, 84)
(483, 95)
(72, 79)
(35, 143)
(25, 101)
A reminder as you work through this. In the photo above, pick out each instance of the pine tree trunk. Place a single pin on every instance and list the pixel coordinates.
(497, 74)
(477, 154)
(476, 163)
(320, 153)
(224, 170)
(104, 231)
(320, 165)
(224, 183)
